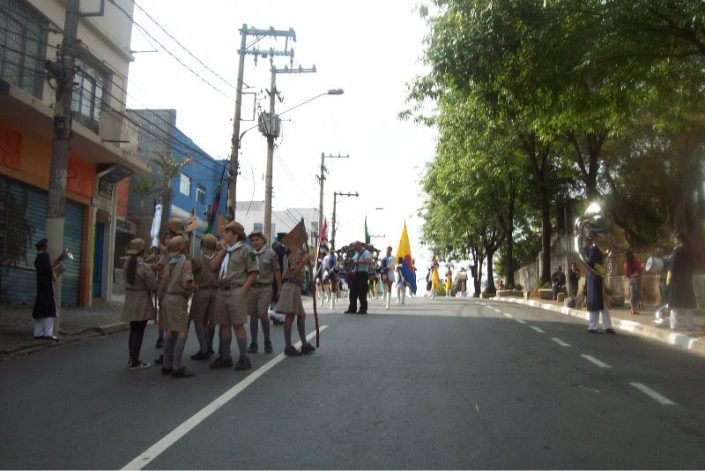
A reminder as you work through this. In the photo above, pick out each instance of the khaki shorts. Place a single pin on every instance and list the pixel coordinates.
(203, 306)
(230, 306)
(259, 300)
(290, 300)
(176, 312)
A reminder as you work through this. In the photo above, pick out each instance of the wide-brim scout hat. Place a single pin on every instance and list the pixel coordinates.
(259, 234)
(135, 247)
(237, 228)
(208, 242)
(176, 246)
(176, 226)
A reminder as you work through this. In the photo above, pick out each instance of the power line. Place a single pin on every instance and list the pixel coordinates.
(182, 46)
(165, 49)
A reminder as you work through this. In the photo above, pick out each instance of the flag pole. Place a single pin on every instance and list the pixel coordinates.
(313, 290)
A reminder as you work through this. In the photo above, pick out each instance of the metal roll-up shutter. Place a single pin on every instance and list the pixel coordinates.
(23, 211)
(73, 240)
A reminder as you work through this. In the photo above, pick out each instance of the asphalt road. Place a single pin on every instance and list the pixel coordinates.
(443, 384)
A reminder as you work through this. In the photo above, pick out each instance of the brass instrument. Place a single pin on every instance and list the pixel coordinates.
(595, 221)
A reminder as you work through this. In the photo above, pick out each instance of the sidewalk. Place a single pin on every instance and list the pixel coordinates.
(16, 326)
(642, 325)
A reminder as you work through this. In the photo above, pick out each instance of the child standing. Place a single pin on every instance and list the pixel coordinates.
(260, 296)
(290, 301)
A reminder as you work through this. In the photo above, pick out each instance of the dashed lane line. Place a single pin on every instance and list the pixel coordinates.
(538, 329)
(521, 321)
(508, 316)
(595, 361)
(179, 432)
(661, 399)
(560, 342)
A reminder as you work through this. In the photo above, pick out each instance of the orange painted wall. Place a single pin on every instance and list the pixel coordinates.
(123, 195)
(27, 158)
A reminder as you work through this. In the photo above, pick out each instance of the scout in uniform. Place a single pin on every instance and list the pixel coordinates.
(203, 303)
(260, 296)
(236, 266)
(139, 307)
(175, 227)
(178, 281)
(290, 301)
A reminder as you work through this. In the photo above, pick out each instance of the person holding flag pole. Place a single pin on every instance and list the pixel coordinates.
(407, 265)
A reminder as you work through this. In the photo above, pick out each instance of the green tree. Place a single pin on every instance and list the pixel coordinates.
(169, 167)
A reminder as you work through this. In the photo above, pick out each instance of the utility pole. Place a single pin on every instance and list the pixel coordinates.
(235, 141)
(62, 72)
(321, 179)
(270, 126)
(335, 205)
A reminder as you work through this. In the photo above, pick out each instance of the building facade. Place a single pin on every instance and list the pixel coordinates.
(251, 215)
(193, 189)
(103, 145)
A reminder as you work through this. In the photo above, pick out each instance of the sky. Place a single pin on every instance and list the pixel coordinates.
(371, 49)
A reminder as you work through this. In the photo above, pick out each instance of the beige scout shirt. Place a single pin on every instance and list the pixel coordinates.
(241, 263)
(290, 261)
(176, 275)
(267, 263)
(203, 274)
(138, 304)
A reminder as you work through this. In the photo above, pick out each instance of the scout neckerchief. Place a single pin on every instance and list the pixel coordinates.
(224, 264)
(176, 259)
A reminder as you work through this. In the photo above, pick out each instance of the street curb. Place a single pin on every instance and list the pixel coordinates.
(66, 339)
(676, 339)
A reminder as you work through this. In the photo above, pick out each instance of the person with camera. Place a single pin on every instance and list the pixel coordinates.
(386, 270)
(361, 262)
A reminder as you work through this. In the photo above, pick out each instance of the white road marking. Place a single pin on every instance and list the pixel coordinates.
(589, 389)
(509, 316)
(538, 329)
(179, 432)
(663, 400)
(520, 321)
(595, 361)
(560, 342)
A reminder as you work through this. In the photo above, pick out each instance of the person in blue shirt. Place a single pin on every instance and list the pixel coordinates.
(360, 274)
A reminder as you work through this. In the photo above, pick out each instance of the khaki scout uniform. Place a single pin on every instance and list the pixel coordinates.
(260, 297)
(176, 298)
(230, 301)
(139, 298)
(290, 297)
(203, 301)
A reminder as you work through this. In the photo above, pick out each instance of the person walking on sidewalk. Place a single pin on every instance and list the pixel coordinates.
(179, 285)
(236, 265)
(290, 301)
(633, 270)
(681, 297)
(596, 287)
(203, 302)
(360, 274)
(140, 301)
(44, 311)
(260, 296)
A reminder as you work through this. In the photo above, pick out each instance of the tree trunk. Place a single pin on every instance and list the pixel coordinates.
(491, 289)
(509, 258)
(545, 233)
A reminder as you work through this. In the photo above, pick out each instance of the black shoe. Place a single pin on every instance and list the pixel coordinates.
(292, 352)
(307, 348)
(268, 347)
(243, 363)
(221, 362)
(53, 338)
(350, 312)
(362, 312)
(139, 365)
(210, 351)
(160, 343)
(160, 360)
(166, 371)
(610, 331)
(182, 373)
(253, 348)
(594, 331)
(38, 337)
(200, 356)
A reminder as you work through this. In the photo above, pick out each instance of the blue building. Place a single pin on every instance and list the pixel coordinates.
(193, 190)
